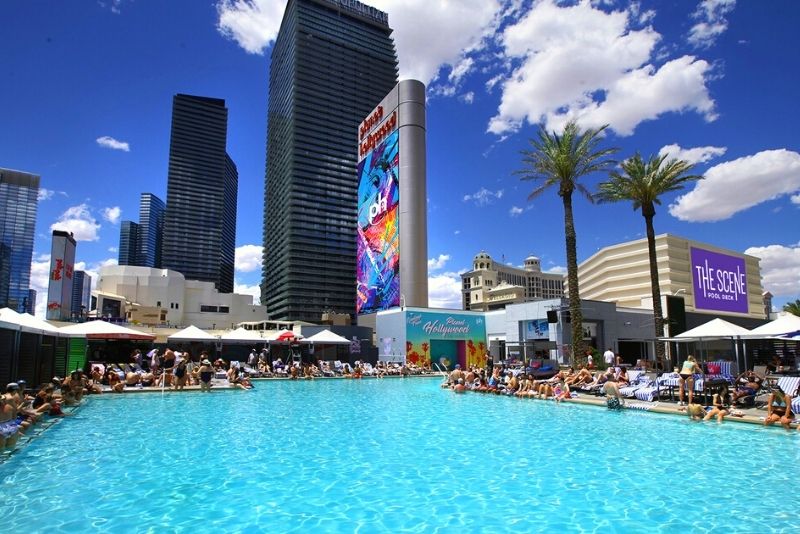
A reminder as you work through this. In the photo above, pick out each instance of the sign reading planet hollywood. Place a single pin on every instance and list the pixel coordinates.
(719, 280)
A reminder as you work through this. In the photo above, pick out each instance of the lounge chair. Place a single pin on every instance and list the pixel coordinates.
(639, 381)
(721, 369)
(656, 386)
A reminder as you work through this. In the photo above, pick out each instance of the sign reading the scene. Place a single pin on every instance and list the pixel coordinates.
(378, 255)
(719, 281)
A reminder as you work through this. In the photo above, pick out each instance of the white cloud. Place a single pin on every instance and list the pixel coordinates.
(468, 98)
(78, 220)
(45, 194)
(763, 176)
(457, 232)
(699, 154)
(40, 279)
(597, 77)
(796, 199)
(428, 35)
(557, 269)
(484, 197)
(780, 268)
(444, 291)
(112, 214)
(112, 5)
(109, 142)
(245, 289)
(253, 24)
(249, 258)
(113, 249)
(434, 264)
(710, 15)
(515, 211)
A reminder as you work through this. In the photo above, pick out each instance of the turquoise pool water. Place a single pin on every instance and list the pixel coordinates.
(389, 456)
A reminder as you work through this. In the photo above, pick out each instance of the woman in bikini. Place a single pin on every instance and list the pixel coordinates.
(206, 373)
(779, 409)
(687, 372)
(719, 406)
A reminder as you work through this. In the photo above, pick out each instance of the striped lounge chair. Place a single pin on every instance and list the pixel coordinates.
(653, 390)
(636, 382)
(721, 369)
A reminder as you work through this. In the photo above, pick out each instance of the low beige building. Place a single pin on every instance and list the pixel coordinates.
(710, 279)
(492, 285)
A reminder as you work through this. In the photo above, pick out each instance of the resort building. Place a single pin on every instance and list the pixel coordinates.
(492, 285)
(154, 297)
(711, 281)
(19, 193)
(199, 237)
(332, 63)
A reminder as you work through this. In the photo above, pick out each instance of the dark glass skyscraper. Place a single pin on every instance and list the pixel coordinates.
(81, 293)
(151, 228)
(128, 243)
(199, 237)
(19, 193)
(140, 244)
(332, 62)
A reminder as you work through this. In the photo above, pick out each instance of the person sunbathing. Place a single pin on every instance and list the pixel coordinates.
(622, 378)
(583, 376)
(748, 384)
(779, 409)
(718, 406)
(523, 387)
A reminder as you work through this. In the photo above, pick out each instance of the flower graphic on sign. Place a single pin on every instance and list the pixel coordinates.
(425, 348)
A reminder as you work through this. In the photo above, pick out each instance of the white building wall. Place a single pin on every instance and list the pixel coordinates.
(180, 297)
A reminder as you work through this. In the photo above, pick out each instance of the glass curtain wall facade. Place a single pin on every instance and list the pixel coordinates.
(332, 63)
(200, 221)
(19, 193)
(151, 227)
(128, 243)
(81, 293)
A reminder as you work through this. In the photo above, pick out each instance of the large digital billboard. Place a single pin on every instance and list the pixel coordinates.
(378, 256)
(719, 281)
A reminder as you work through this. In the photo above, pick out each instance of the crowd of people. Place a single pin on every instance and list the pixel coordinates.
(22, 409)
(566, 383)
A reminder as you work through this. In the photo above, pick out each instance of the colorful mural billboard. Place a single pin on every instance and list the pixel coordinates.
(719, 281)
(467, 332)
(378, 255)
(537, 329)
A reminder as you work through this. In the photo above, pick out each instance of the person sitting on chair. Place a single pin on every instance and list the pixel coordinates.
(748, 384)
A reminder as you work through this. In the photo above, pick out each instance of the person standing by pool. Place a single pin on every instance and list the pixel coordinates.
(614, 399)
(687, 377)
(206, 373)
(608, 357)
(181, 374)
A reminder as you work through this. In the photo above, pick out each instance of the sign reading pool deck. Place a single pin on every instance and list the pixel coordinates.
(719, 280)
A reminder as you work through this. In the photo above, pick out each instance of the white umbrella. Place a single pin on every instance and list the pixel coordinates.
(192, 333)
(243, 335)
(326, 337)
(104, 330)
(784, 324)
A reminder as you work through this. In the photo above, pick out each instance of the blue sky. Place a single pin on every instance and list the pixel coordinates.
(88, 87)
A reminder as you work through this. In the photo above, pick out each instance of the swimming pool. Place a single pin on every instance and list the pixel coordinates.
(393, 455)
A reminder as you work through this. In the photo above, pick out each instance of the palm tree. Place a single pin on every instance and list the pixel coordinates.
(559, 161)
(643, 182)
(792, 307)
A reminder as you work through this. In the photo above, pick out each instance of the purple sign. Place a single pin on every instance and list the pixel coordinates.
(719, 281)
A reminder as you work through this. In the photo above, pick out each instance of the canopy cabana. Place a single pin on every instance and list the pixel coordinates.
(242, 335)
(283, 336)
(104, 330)
(714, 329)
(192, 333)
(785, 324)
(326, 337)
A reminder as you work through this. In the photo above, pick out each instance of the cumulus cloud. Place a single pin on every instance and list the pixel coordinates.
(557, 269)
(434, 264)
(468, 98)
(764, 176)
(78, 220)
(484, 197)
(780, 268)
(699, 154)
(711, 22)
(428, 35)
(596, 77)
(107, 141)
(248, 258)
(112, 214)
(44, 194)
(444, 291)
(244, 289)
(113, 249)
(796, 199)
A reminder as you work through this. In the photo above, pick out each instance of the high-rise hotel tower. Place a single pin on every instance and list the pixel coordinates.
(199, 239)
(333, 61)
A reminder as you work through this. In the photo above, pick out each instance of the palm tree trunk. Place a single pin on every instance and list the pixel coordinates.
(572, 279)
(648, 212)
